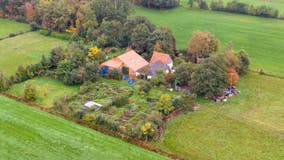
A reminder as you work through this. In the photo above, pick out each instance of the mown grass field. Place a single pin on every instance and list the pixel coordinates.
(250, 126)
(7, 27)
(47, 90)
(262, 38)
(25, 49)
(27, 133)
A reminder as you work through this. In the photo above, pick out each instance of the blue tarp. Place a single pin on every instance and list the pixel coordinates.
(104, 71)
(131, 82)
(126, 78)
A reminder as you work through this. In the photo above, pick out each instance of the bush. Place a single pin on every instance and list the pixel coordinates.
(148, 130)
(237, 7)
(158, 4)
(89, 118)
(244, 62)
(120, 101)
(64, 70)
(203, 5)
(63, 36)
(30, 92)
(86, 87)
(20, 19)
(184, 102)
(217, 5)
(165, 105)
(155, 117)
(116, 74)
(265, 11)
(34, 26)
(144, 86)
(3, 84)
(45, 32)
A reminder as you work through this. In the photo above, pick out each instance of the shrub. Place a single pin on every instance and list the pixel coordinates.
(21, 74)
(76, 77)
(30, 92)
(158, 4)
(63, 36)
(237, 7)
(148, 130)
(217, 5)
(244, 62)
(34, 26)
(45, 32)
(3, 84)
(155, 117)
(120, 101)
(116, 74)
(232, 76)
(203, 5)
(265, 11)
(184, 102)
(86, 87)
(165, 105)
(144, 86)
(64, 70)
(89, 117)
(20, 18)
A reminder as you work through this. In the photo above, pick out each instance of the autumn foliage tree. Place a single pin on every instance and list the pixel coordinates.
(201, 45)
(232, 76)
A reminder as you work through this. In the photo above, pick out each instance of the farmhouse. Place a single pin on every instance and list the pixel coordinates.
(130, 60)
(152, 69)
(163, 57)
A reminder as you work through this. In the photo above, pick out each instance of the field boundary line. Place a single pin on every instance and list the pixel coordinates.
(97, 128)
(15, 35)
(266, 74)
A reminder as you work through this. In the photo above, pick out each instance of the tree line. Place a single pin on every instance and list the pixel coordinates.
(239, 7)
(157, 4)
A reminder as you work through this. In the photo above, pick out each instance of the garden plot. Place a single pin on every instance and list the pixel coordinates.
(124, 109)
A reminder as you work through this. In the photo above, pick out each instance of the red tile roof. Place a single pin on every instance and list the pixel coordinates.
(113, 63)
(130, 59)
(163, 57)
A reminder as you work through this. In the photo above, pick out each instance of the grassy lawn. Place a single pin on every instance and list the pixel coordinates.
(7, 27)
(249, 126)
(25, 49)
(27, 133)
(53, 88)
(263, 38)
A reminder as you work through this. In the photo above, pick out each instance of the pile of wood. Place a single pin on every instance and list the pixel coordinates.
(228, 92)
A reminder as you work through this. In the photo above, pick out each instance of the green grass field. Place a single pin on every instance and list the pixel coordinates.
(263, 38)
(52, 88)
(27, 133)
(249, 126)
(7, 27)
(25, 49)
